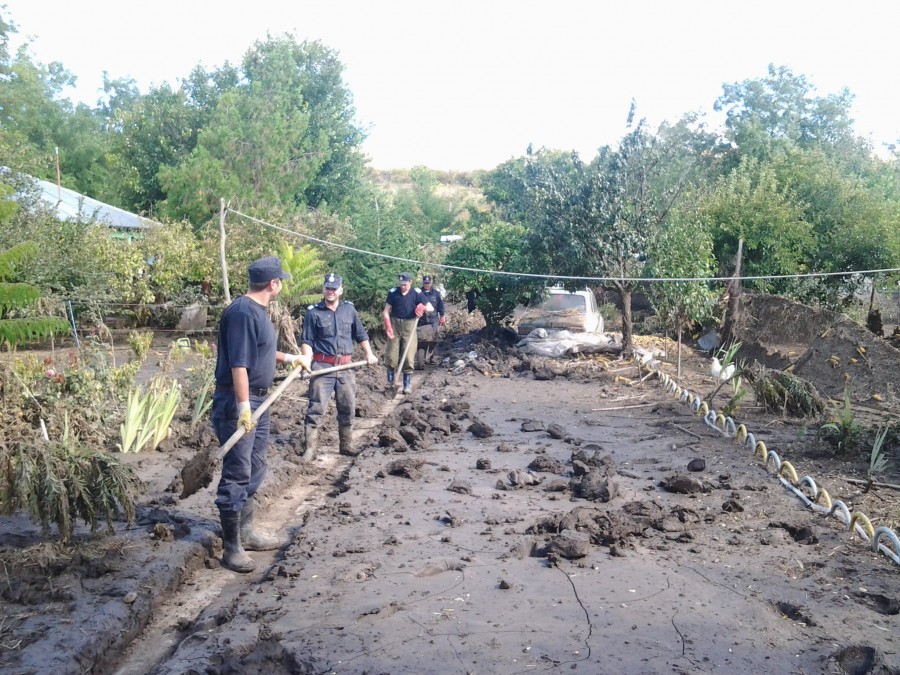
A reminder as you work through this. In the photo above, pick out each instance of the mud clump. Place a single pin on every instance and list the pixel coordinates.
(408, 467)
(481, 429)
(684, 485)
(547, 464)
(858, 659)
(460, 487)
(557, 431)
(594, 486)
(569, 545)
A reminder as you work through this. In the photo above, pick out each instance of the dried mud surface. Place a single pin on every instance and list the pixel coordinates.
(512, 515)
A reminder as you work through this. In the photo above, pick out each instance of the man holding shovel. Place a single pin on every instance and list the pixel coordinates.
(401, 312)
(245, 368)
(329, 330)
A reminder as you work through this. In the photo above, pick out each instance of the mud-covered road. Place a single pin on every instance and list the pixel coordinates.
(516, 525)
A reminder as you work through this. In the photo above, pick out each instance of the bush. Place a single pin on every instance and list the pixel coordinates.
(58, 482)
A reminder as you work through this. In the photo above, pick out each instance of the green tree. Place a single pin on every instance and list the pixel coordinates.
(493, 245)
(750, 204)
(161, 129)
(769, 114)
(505, 187)
(35, 120)
(279, 142)
(599, 220)
(682, 249)
(853, 214)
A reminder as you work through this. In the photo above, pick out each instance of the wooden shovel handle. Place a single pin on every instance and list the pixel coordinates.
(237, 435)
(408, 345)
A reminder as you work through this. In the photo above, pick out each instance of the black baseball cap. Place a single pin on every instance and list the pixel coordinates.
(426, 279)
(265, 269)
(332, 280)
(404, 277)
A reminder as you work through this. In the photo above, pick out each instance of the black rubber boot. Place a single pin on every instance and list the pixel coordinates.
(251, 539)
(390, 377)
(345, 438)
(310, 439)
(234, 557)
(407, 382)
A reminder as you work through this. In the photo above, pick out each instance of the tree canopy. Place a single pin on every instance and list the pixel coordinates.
(276, 136)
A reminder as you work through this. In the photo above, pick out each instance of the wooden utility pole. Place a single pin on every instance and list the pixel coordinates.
(734, 296)
(58, 177)
(222, 251)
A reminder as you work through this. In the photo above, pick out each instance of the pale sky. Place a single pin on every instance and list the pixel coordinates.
(468, 84)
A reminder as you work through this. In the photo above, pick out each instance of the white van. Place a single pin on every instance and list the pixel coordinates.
(560, 309)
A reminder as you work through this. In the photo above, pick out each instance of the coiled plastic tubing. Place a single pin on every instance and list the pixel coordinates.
(815, 498)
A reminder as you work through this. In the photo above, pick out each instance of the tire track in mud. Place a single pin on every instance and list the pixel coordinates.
(212, 590)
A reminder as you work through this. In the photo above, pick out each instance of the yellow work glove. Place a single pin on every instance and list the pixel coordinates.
(302, 360)
(244, 415)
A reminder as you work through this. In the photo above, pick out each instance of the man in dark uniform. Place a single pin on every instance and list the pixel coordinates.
(427, 331)
(401, 312)
(245, 367)
(329, 330)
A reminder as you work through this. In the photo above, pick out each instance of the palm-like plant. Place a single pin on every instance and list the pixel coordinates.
(306, 269)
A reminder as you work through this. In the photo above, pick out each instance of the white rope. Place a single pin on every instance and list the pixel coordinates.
(344, 247)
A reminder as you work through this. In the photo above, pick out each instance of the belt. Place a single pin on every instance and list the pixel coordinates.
(333, 359)
(255, 391)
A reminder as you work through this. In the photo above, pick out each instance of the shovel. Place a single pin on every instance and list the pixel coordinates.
(237, 435)
(406, 350)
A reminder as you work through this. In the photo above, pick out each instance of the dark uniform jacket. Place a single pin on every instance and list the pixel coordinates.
(404, 306)
(332, 332)
(434, 297)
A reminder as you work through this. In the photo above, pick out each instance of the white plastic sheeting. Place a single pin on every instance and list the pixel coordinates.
(557, 343)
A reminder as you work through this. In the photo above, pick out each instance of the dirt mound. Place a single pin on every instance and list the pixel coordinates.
(823, 347)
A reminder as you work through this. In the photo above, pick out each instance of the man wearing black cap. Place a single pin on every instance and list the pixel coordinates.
(245, 368)
(427, 331)
(401, 312)
(329, 330)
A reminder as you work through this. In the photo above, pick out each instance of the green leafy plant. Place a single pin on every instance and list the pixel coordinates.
(203, 349)
(20, 296)
(728, 359)
(203, 401)
(148, 416)
(738, 392)
(140, 342)
(877, 458)
(134, 432)
(843, 430)
(163, 408)
(60, 481)
(306, 269)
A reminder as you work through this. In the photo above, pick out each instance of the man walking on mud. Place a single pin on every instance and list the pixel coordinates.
(429, 322)
(329, 331)
(245, 368)
(401, 312)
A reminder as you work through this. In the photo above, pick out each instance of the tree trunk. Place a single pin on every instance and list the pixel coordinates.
(627, 321)
(678, 367)
(732, 317)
